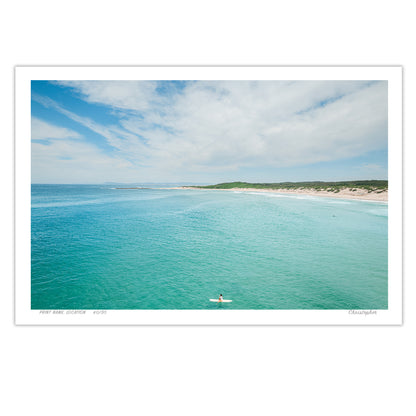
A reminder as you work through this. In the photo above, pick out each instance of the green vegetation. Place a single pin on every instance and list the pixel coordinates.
(371, 185)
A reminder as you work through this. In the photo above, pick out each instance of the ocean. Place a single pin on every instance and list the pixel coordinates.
(97, 247)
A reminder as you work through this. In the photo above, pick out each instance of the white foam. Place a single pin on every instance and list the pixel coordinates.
(339, 202)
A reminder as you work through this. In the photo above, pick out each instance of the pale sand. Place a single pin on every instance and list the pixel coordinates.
(345, 193)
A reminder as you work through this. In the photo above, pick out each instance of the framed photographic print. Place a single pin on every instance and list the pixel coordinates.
(208, 195)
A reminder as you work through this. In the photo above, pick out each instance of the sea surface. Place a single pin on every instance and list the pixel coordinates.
(97, 247)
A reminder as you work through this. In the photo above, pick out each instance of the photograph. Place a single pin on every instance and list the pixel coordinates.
(209, 194)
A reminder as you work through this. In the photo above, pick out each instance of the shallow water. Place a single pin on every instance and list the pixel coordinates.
(96, 247)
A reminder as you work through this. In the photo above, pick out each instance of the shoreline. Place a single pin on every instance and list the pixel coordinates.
(360, 194)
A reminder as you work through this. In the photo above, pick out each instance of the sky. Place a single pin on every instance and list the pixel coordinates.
(208, 131)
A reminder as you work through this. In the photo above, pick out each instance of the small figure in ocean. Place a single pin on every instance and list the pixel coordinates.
(220, 298)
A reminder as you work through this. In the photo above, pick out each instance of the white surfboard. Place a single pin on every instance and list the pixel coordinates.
(220, 301)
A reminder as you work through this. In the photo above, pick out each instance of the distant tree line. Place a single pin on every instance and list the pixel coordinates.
(369, 185)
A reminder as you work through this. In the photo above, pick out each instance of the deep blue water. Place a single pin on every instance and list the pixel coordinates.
(96, 247)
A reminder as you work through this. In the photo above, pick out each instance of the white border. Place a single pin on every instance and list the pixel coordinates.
(25, 316)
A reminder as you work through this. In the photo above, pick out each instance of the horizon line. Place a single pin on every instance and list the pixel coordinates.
(218, 183)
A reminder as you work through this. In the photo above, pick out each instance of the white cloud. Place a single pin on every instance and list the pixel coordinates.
(116, 137)
(281, 124)
(75, 162)
(126, 95)
(41, 130)
(217, 126)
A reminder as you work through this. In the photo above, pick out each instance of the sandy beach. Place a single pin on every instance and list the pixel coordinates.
(345, 193)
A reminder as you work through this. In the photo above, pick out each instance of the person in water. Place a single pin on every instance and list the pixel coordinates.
(220, 298)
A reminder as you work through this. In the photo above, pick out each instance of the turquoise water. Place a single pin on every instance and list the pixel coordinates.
(96, 247)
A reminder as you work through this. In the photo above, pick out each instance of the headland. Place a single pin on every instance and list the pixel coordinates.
(371, 190)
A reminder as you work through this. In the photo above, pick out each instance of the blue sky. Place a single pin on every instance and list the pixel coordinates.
(208, 131)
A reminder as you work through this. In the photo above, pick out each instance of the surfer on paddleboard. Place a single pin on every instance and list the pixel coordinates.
(220, 298)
